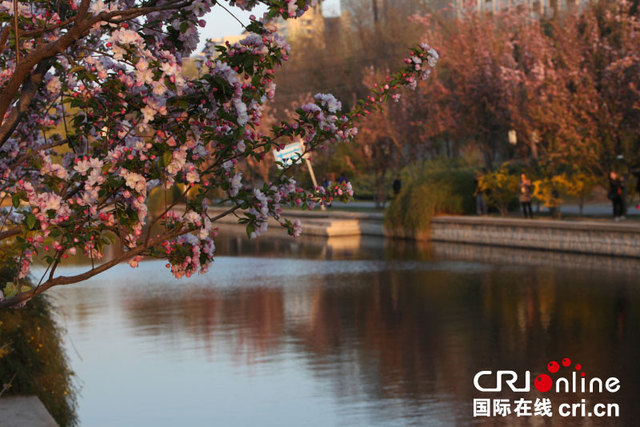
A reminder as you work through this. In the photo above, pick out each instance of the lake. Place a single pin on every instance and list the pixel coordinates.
(317, 332)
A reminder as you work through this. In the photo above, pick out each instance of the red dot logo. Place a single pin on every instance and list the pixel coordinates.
(543, 383)
(578, 366)
(553, 367)
(566, 361)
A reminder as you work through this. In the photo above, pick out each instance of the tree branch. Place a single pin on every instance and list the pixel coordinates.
(22, 74)
(29, 90)
(68, 280)
(4, 36)
(9, 233)
(225, 213)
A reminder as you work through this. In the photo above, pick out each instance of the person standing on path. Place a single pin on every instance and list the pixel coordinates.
(525, 196)
(481, 204)
(636, 172)
(616, 192)
(397, 186)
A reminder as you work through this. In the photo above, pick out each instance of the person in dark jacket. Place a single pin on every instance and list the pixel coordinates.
(397, 185)
(616, 195)
(636, 173)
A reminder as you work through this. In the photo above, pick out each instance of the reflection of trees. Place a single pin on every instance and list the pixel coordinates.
(417, 336)
(256, 317)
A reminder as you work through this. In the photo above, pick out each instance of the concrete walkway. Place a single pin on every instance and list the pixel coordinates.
(24, 411)
(599, 209)
(361, 218)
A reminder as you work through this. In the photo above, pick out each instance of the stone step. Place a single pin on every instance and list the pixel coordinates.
(331, 227)
(326, 224)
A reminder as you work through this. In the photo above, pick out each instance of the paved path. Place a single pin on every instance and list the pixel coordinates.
(597, 209)
(592, 209)
(24, 411)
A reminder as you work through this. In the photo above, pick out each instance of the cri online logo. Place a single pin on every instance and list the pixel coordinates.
(544, 383)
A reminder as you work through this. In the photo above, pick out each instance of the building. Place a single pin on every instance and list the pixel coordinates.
(378, 8)
(311, 24)
(538, 7)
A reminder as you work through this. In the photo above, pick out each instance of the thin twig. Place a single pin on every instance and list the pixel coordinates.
(234, 16)
(225, 213)
(7, 386)
(15, 29)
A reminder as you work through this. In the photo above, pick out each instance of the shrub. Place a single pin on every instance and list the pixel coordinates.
(438, 191)
(579, 185)
(547, 190)
(32, 358)
(500, 188)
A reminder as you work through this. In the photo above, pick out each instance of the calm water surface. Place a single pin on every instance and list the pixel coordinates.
(346, 332)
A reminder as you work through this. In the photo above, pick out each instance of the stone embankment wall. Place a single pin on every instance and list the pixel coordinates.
(587, 237)
(591, 237)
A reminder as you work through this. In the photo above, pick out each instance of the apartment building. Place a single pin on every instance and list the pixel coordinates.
(378, 7)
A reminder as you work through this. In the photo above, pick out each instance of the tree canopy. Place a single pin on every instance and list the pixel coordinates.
(97, 115)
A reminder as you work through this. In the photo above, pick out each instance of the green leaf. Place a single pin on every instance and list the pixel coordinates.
(15, 199)
(31, 221)
(10, 290)
(166, 158)
(248, 65)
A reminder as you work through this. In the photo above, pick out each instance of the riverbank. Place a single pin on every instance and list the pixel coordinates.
(590, 237)
(584, 236)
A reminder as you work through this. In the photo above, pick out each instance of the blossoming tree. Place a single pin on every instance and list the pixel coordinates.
(95, 113)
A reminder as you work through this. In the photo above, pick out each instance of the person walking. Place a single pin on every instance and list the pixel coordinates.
(525, 196)
(615, 194)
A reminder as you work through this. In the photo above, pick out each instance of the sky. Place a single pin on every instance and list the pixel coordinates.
(220, 23)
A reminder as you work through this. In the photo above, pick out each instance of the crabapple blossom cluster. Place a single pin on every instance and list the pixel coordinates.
(422, 62)
(335, 191)
(98, 116)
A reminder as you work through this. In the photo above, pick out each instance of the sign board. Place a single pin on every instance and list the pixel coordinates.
(288, 154)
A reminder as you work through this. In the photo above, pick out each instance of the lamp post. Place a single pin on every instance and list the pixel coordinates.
(535, 138)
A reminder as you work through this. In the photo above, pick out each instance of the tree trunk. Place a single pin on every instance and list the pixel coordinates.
(581, 205)
(380, 198)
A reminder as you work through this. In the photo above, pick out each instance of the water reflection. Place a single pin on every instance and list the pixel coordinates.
(368, 334)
